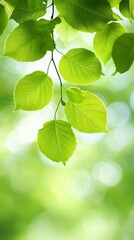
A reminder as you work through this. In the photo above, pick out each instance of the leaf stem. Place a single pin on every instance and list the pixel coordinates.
(53, 61)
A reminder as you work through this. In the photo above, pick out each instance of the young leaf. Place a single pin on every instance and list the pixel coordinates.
(28, 10)
(57, 141)
(124, 8)
(33, 91)
(66, 31)
(75, 94)
(29, 41)
(80, 66)
(105, 38)
(3, 19)
(88, 116)
(123, 52)
(85, 15)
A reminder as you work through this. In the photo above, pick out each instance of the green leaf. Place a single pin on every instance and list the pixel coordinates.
(80, 66)
(75, 94)
(89, 116)
(131, 8)
(114, 3)
(33, 92)
(85, 15)
(123, 52)
(28, 10)
(66, 31)
(56, 140)
(105, 38)
(124, 8)
(3, 19)
(29, 41)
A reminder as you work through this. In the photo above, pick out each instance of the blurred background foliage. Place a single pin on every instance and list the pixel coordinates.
(93, 196)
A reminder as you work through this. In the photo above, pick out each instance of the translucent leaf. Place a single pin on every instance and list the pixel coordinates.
(123, 52)
(56, 140)
(28, 10)
(75, 94)
(29, 41)
(88, 16)
(105, 38)
(33, 92)
(66, 31)
(3, 19)
(80, 66)
(89, 116)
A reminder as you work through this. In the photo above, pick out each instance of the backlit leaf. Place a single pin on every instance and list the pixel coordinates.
(80, 66)
(29, 41)
(56, 140)
(89, 116)
(33, 91)
(105, 38)
(123, 52)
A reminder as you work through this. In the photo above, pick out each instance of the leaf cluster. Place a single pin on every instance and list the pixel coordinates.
(34, 37)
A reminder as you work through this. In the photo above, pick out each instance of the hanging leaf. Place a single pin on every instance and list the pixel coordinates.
(75, 94)
(88, 16)
(88, 116)
(3, 19)
(105, 38)
(28, 10)
(33, 91)
(56, 140)
(123, 52)
(29, 41)
(80, 66)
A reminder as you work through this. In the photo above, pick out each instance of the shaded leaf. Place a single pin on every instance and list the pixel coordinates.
(28, 10)
(33, 91)
(56, 140)
(124, 8)
(80, 66)
(123, 52)
(88, 16)
(3, 19)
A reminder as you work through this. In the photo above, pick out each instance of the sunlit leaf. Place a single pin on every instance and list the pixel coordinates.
(33, 91)
(80, 66)
(105, 38)
(56, 140)
(85, 15)
(3, 19)
(89, 116)
(28, 10)
(75, 94)
(123, 52)
(29, 41)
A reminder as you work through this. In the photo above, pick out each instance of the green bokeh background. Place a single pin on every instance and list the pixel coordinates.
(92, 197)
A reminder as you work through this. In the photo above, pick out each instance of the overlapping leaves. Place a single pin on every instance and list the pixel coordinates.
(31, 40)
